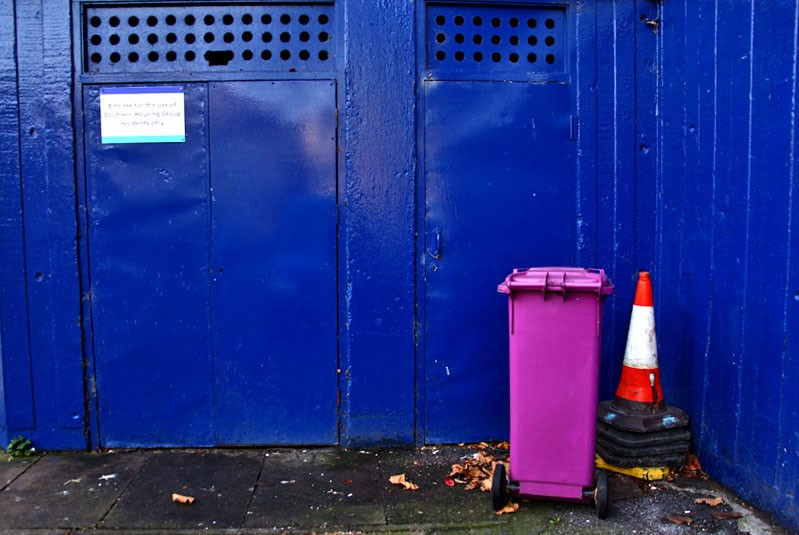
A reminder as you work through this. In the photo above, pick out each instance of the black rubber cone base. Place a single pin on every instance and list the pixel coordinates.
(641, 417)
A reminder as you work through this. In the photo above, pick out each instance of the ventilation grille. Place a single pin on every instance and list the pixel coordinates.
(496, 41)
(208, 38)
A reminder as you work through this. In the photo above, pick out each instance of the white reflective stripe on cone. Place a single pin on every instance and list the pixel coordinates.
(641, 350)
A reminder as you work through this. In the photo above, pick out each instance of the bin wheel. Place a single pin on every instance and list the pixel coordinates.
(499, 487)
(601, 498)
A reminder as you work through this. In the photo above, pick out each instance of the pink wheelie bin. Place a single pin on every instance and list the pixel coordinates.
(555, 324)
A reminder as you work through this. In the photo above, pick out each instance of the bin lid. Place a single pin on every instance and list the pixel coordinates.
(557, 279)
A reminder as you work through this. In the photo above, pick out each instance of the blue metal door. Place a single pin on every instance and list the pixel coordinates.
(213, 271)
(273, 193)
(498, 195)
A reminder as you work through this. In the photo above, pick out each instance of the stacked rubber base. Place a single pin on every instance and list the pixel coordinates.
(638, 437)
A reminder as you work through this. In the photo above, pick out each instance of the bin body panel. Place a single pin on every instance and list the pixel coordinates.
(554, 379)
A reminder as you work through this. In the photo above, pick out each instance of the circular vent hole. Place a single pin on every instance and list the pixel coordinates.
(190, 38)
(304, 19)
(478, 56)
(133, 21)
(171, 56)
(189, 20)
(266, 55)
(153, 56)
(285, 55)
(209, 20)
(266, 19)
(246, 37)
(95, 22)
(304, 55)
(114, 22)
(266, 37)
(247, 55)
(285, 37)
(549, 40)
(115, 57)
(227, 19)
(549, 23)
(152, 39)
(285, 18)
(133, 57)
(209, 37)
(114, 39)
(324, 55)
(152, 20)
(323, 19)
(441, 20)
(95, 40)
(477, 39)
(441, 55)
(133, 38)
(550, 58)
(171, 20)
(96, 57)
(246, 18)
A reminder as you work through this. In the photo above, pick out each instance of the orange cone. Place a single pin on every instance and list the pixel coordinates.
(640, 375)
(639, 405)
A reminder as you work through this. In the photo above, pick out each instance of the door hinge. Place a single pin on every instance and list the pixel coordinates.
(574, 128)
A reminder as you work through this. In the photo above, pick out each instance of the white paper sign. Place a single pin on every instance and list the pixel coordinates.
(142, 115)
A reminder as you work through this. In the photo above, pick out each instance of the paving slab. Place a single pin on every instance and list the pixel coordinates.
(11, 468)
(323, 488)
(67, 490)
(221, 481)
(434, 501)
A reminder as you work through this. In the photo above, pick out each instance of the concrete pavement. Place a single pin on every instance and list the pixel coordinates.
(326, 490)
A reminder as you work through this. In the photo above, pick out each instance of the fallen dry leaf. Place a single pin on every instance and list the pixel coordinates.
(400, 480)
(676, 519)
(693, 468)
(510, 507)
(726, 516)
(712, 502)
(180, 498)
(475, 471)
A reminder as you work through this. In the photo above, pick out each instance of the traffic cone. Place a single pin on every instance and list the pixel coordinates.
(637, 427)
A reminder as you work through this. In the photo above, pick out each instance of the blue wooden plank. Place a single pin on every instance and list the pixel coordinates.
(148, 245)
(15, 372)
(764, 337)
(47, 171)
(616, 187)
(729, 250)
(273, 290)
(378, 368)
(787, 465)
(586, 183)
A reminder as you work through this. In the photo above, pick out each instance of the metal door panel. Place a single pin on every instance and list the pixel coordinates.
(273, 183)
(148, 245)
(497, 196)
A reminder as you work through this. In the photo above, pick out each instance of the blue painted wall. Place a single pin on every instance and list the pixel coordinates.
(697, 179)
(686, 167)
